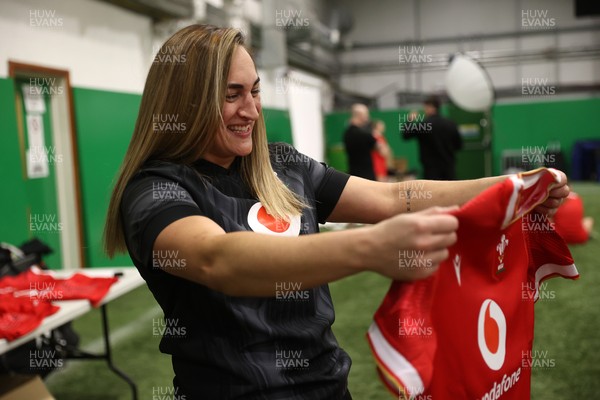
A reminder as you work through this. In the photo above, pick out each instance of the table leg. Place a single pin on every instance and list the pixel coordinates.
(108, 354)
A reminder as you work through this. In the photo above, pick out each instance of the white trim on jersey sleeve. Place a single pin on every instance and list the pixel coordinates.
(512, 202)
(549, 270)
(395, 363)
(556, 174)
(524, 181)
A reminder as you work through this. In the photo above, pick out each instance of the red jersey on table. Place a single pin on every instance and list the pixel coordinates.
(21, 315)
(41, 285)
(26, 299)
(467, 331)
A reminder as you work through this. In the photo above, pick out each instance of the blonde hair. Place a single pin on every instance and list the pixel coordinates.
(188, 80)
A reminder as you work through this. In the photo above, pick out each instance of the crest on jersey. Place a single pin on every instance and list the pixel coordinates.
(262, 222)
(500, 249)
(491, 334)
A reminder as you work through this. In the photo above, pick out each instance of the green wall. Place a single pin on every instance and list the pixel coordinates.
(14, 225)
(104, 122)
(279, 127)
(514, 125)
(537, 124)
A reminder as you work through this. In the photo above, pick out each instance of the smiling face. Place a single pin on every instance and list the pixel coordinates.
(240, 111)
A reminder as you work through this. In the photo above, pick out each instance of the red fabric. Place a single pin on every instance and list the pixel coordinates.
(471, 324)
(25, 299)
(80, 286)
(568, 219)
(25, 280)
(379, 162)
(21, 315)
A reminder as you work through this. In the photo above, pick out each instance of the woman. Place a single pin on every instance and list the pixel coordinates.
(251, 312)
(381, 156)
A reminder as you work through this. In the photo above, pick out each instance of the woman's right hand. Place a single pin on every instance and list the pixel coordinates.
(411, 246)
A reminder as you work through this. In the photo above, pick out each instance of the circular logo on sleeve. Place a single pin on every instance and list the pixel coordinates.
(491, 334)
(262, 222)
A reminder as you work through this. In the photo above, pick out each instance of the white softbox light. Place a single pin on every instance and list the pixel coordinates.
(468, 84)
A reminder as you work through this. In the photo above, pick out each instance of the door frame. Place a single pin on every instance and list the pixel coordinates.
(67, 176)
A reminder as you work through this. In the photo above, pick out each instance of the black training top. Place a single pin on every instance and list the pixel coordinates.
(227, 347)
(439, 140)
(359, 142)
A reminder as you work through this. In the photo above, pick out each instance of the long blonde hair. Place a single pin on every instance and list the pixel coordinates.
(188, 82)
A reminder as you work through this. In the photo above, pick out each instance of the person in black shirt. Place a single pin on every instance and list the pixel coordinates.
(439, 140)
(359, 142)
(224, 229)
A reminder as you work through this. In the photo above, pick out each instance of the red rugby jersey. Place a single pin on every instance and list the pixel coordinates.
(26, 299)
(21, 315)
(41, 285)
(467, 331)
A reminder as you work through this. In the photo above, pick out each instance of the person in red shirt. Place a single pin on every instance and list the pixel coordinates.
(381, 155)
(570, 223)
